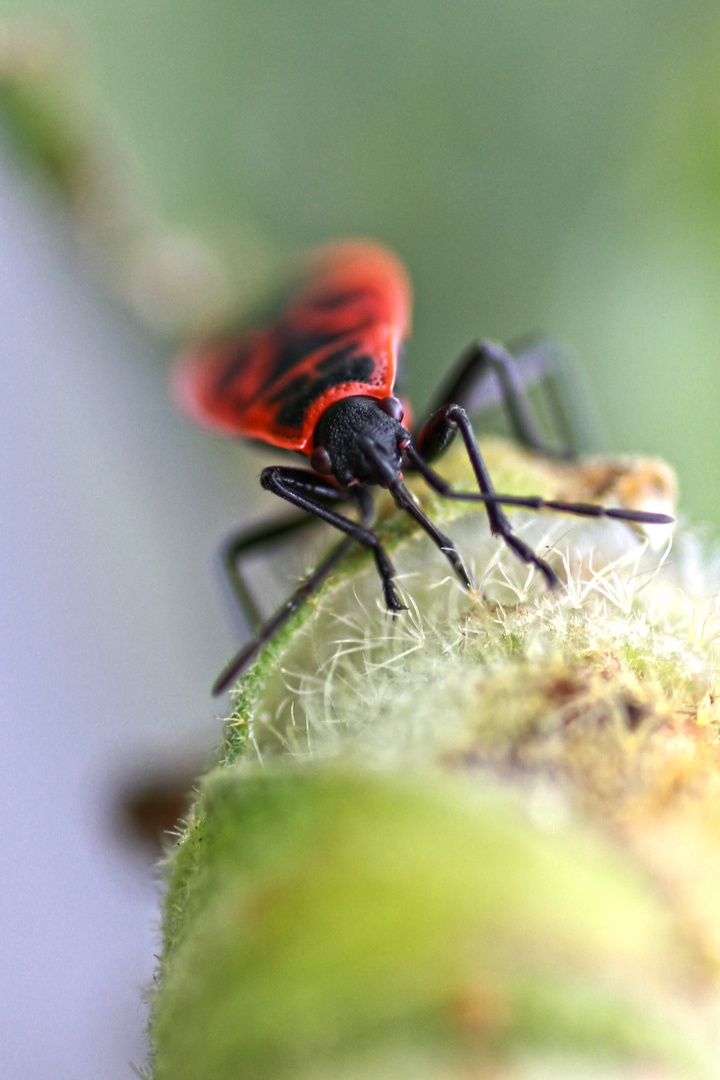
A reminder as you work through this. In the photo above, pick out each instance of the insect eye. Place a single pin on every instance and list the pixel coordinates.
(393, 407)
(320, 461)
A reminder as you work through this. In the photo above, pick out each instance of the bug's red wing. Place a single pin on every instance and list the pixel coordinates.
(338, 335)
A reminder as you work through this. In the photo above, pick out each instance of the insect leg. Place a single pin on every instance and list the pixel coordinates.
(302, 488)
(268, 629)
(438, 431)
(243, 541)
(464, 383)
(233, 668)
(405, 501)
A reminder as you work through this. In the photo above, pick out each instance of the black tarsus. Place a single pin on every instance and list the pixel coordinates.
(298, 487)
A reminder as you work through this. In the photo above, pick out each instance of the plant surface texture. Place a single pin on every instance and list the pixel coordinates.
(481, 840)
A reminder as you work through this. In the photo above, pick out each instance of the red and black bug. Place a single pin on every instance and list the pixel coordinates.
(318, 378)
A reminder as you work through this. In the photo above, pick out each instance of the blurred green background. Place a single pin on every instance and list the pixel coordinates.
(550, 167)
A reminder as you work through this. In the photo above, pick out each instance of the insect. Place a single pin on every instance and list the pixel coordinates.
(318, 378)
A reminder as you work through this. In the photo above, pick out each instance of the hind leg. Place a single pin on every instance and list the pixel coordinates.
(466, 385)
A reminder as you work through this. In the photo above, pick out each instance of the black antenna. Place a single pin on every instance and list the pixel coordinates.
(533, 502)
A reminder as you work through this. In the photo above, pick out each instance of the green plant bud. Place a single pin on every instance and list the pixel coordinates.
(479, 840)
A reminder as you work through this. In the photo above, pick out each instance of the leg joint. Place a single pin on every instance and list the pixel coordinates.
(268, 478)
(455, 414)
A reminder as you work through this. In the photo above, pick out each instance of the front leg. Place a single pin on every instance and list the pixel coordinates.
(304, 489)
(439, 430)
(256, 536)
